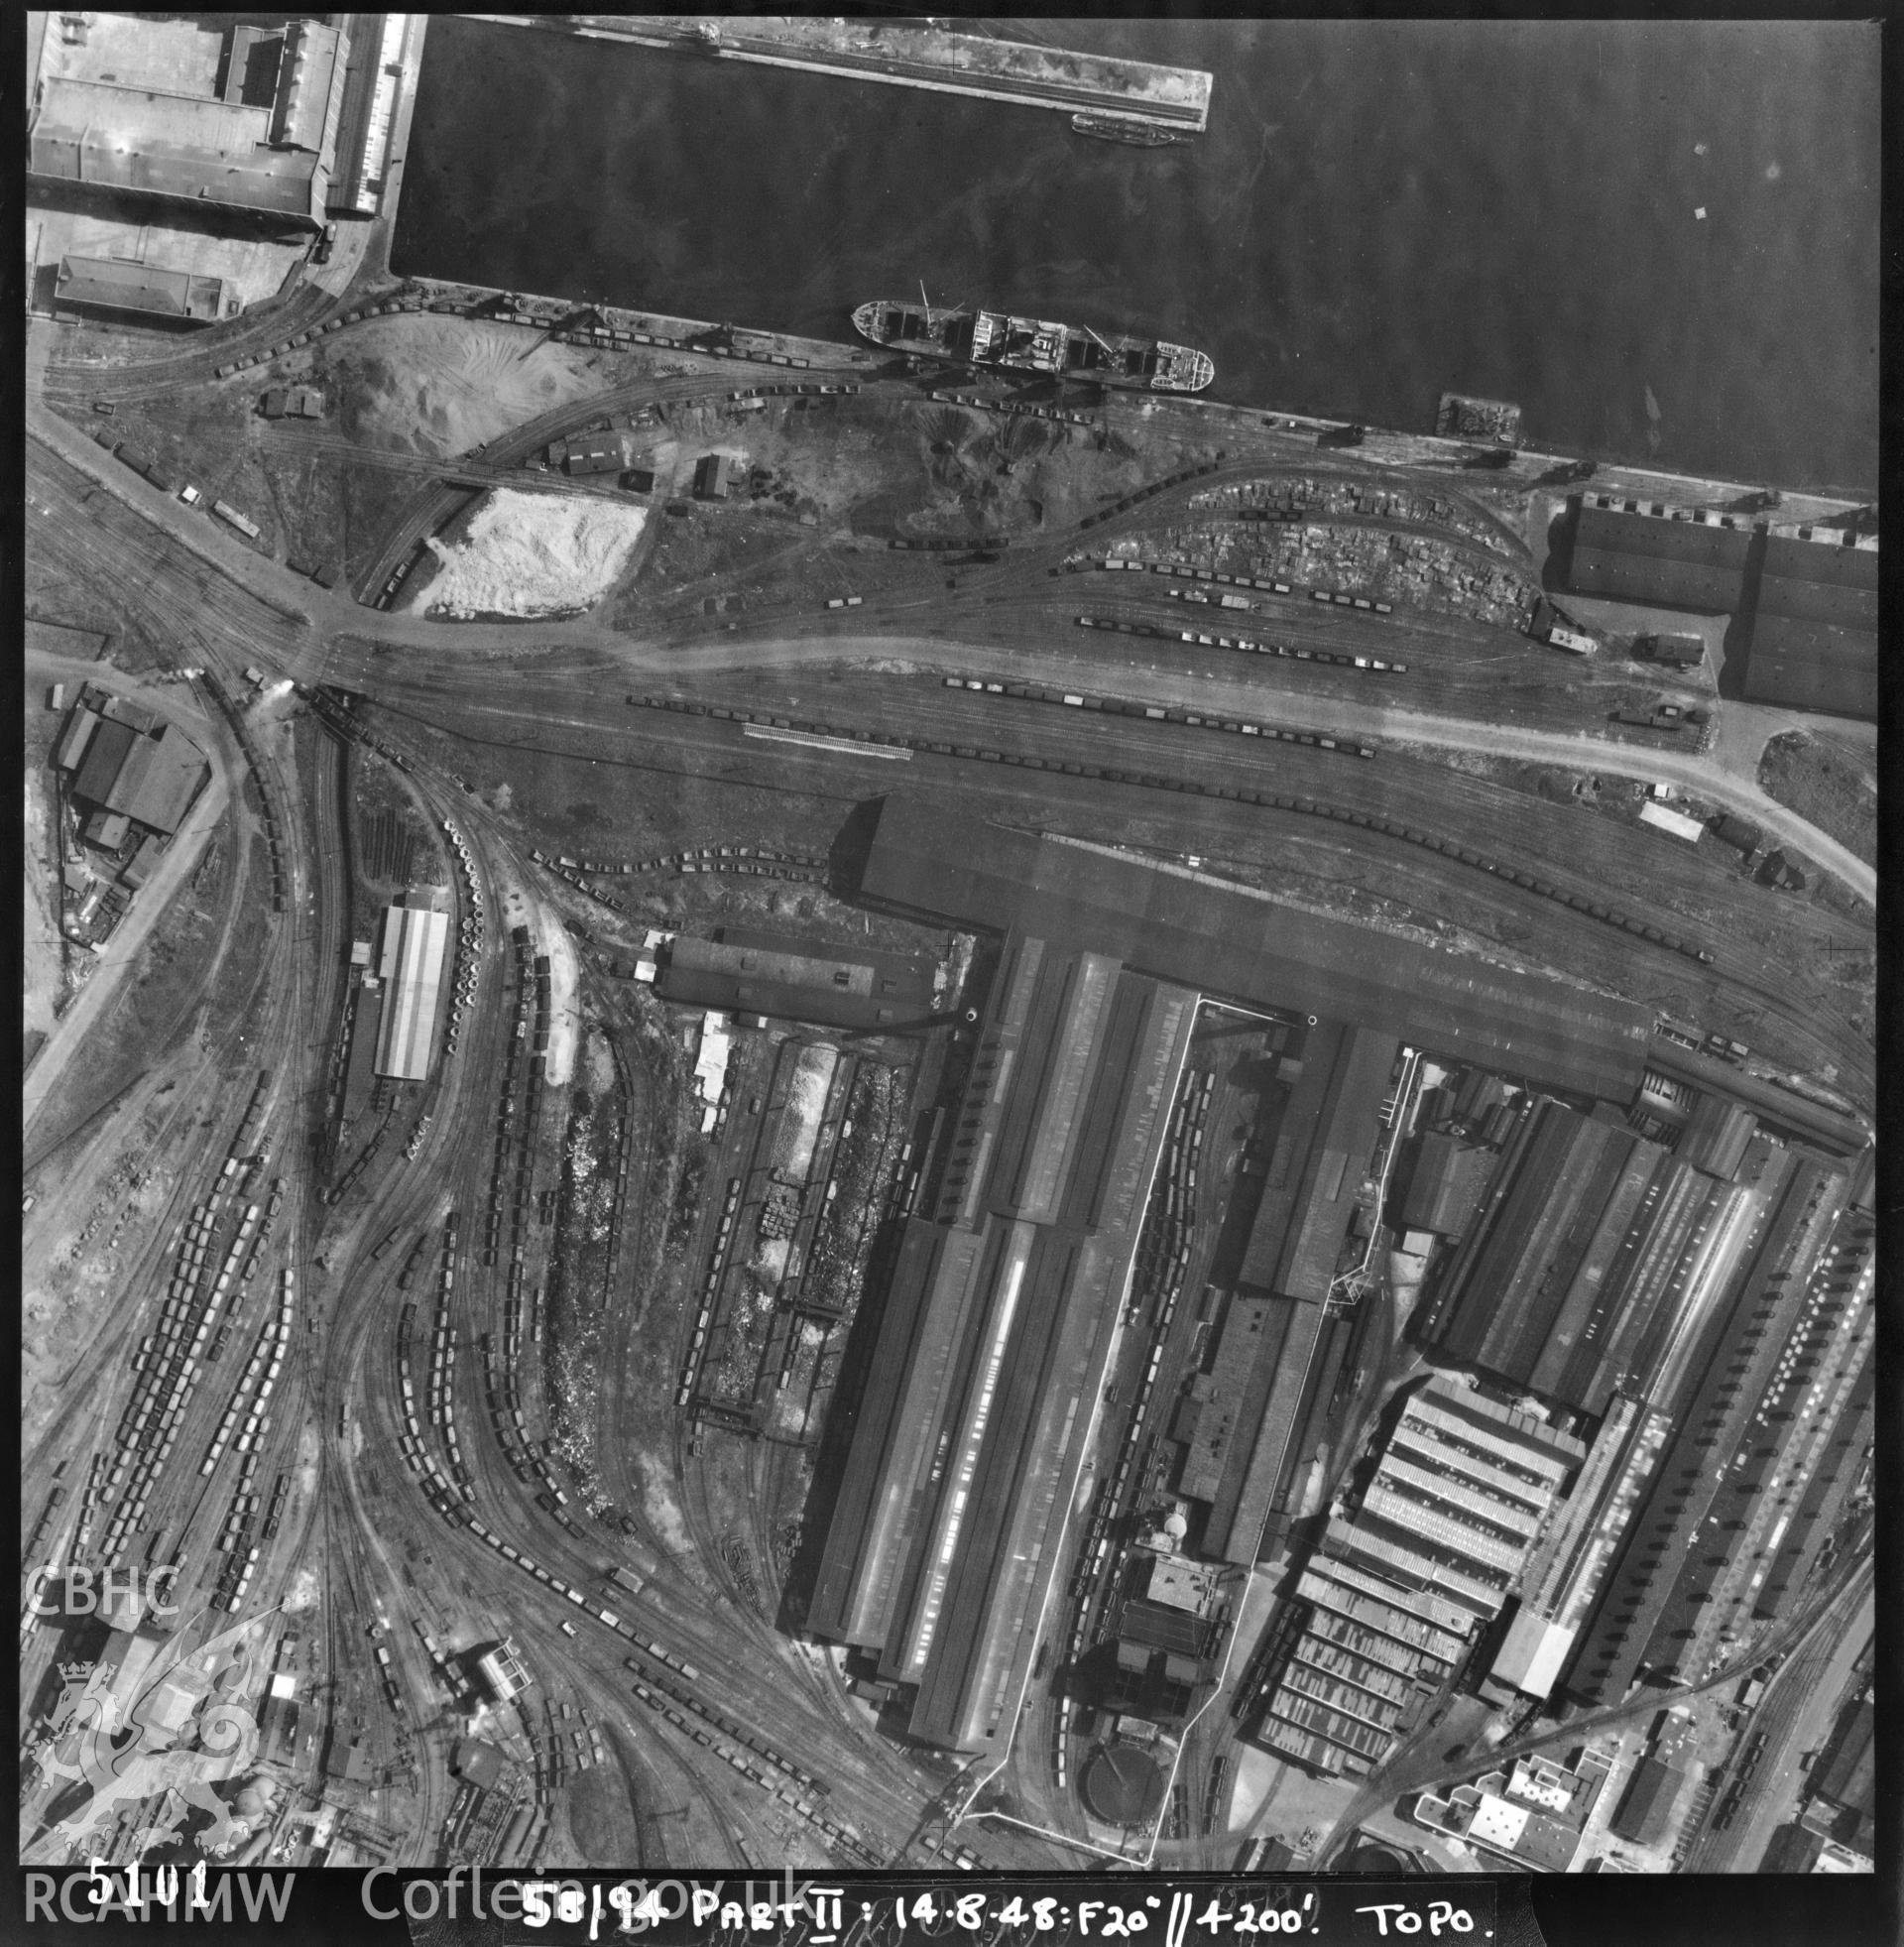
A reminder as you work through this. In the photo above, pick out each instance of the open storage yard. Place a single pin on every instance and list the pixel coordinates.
(1829, 782)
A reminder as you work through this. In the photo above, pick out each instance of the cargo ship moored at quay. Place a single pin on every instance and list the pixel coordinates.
(995, 340)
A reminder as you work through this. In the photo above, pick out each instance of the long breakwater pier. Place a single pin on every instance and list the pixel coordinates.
(1139, 93)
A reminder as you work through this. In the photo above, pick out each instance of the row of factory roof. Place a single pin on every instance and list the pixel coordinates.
(965, 1449)
(1395, 1591)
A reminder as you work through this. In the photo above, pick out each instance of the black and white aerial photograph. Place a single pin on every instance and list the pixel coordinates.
(950, 978)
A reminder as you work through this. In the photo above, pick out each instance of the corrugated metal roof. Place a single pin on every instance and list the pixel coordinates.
(309, 83)
(1269, 1453)
(76, 739)
(916, 1360)
(783, 1001)
(409, 1019)
(1847, 1774)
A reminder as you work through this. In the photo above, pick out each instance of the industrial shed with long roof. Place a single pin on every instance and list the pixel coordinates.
(1625, 553)
(135, 141)
(107, 284)
(1231, 941)
(1814, 644)
(1652, 1797)
(995, 1336)
(1533, 1282)
(1809, 665)
(1325, 1139)
(411, 969)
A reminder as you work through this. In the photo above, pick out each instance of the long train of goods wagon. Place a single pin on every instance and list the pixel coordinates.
(1271, 800)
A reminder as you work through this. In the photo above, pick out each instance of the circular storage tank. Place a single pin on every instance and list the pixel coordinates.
(1122, 1786)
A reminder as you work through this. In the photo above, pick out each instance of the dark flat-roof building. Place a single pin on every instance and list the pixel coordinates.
(150, 777)
(1249, 1444)
(1576, 1247)
(107, 284)
(1659, 556)
(1645, 1810)
(1235, 943)
(1446, 1180)
(1847, 1770)
(106, 829)
(1814, 640)
(1682, 651)
(994, 1337)
(744, 972)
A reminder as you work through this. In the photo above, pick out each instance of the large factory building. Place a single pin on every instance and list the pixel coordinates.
(997, 1333)
(1385, 1611)
(999, 1324)
(1245, 1450)
(411, 968)
(1810, 593)
(241, 119)
(1815, 624)
(1231, 941)
(1661, 557)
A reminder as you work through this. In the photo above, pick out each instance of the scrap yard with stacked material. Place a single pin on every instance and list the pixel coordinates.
(897, 1100)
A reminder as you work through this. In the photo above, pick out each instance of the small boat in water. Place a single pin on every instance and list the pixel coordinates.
(1118, 127)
